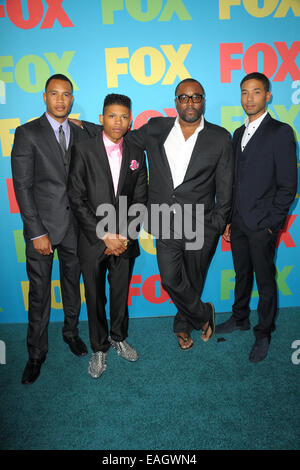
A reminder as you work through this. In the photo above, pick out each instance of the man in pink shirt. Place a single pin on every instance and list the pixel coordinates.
(107, 177)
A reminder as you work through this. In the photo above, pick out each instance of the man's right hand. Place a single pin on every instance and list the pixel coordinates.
(226, 234)
(43, 245)
(115, 243)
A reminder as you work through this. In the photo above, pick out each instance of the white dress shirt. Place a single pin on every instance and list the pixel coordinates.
(251, 128)
(179, 150)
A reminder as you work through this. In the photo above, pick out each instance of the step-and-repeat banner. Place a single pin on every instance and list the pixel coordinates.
(143, 48)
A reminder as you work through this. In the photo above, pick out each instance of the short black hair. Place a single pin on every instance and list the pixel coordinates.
(114, 98)
(58, 76)
(257, 76)
(188, 80)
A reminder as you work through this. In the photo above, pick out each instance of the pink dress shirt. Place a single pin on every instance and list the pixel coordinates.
(114, 153)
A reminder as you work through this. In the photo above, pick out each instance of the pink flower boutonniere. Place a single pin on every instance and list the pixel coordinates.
(134, 165)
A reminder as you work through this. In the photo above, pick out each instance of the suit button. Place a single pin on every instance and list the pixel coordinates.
(68, 208)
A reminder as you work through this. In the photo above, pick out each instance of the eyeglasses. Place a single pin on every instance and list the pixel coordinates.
(196, 98)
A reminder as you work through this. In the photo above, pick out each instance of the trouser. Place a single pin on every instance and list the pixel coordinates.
(254, 251)
(183, 274)
(94, 273)
(39, 269)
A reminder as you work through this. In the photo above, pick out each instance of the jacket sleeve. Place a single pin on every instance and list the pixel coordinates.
(285, 168)
(91, 128)
(138, 137)
(22, 165)
(224, 186)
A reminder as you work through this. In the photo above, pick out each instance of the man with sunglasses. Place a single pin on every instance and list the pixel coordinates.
(190, 164)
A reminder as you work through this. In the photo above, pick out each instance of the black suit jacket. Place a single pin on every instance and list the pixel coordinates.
(265, 174)
(209, 176)
(40, 178)
(90, 184)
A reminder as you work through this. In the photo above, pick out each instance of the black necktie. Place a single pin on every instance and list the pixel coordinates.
(62, 139)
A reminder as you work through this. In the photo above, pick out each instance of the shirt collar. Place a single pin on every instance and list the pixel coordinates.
(55, 124)
(256, 122)
(198, 129)
(111, 145)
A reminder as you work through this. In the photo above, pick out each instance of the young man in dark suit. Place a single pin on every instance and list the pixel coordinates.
(40, 163)
(107, 174)
(265, 187)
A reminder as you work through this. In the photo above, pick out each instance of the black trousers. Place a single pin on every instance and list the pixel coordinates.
(94, 272)
(39, 269)
(183, 274)
(254, 251)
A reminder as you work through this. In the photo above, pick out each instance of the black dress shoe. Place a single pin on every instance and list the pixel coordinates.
(260, 350)
(76, 345)
(32, 371)
(231, 325)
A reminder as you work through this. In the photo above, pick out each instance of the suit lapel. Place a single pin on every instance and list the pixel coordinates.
(164, 158)
(124, 167)
(256, 136)
(196, 151)
(51, 141)
(67, 156)
(237, 146)
(102, 161)
(238, 139)
(72, 135)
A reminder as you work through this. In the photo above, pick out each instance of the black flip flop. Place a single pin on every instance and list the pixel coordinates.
(184, 339)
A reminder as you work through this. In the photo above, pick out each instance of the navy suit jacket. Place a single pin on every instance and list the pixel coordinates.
(265, 174)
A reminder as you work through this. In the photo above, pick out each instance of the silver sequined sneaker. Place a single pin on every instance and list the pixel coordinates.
(97, 364)
(124, 350)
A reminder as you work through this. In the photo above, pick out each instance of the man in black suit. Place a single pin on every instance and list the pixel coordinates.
(40, 163)
(190, 163)
(265, 187)
(108, 175)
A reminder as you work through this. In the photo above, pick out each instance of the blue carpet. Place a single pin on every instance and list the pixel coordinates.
(210, 397)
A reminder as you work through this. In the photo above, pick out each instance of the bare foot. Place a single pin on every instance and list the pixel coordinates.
(206, 332)
(184, 340)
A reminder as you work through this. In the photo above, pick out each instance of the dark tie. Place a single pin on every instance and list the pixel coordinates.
(62, 139)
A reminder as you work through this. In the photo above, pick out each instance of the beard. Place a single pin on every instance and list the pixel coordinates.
(191, 117)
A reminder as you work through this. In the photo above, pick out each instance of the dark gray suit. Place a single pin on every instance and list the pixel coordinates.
(40, 171)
